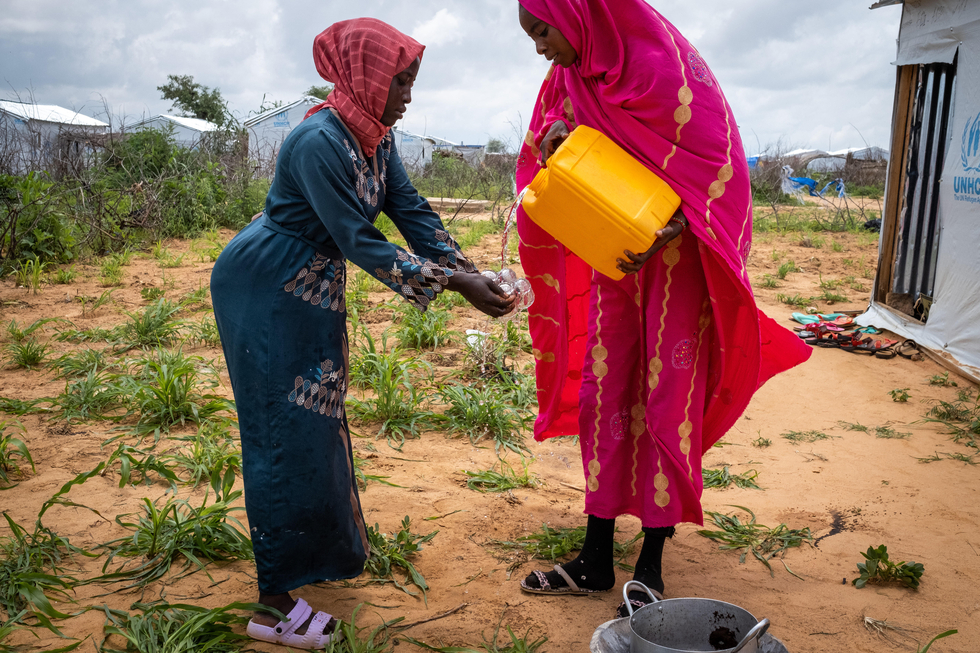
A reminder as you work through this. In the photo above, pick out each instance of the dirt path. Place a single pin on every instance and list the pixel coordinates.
(852, 490)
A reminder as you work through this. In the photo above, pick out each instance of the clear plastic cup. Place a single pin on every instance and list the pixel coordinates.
(525, 294)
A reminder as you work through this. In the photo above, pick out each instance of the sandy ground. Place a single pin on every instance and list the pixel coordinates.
(853, 491)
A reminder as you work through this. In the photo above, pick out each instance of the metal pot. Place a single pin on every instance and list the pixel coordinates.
(691, 625)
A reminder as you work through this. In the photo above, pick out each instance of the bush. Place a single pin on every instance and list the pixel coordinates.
(134, 188)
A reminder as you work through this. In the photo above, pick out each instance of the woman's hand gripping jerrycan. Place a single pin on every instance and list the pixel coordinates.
(597, 200)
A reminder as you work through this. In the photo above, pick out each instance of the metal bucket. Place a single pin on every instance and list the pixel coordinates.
(691, 625)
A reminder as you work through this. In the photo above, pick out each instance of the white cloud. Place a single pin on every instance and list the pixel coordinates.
(793, 71)
(442, 29)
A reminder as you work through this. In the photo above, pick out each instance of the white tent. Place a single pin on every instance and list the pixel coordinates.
(269, 129)
(187, 132)
(39, 136)
(836, 161)
(415, 150)
(928, 282)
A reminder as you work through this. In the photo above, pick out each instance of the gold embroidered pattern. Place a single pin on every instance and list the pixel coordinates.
(569, 112)
(745, 249)
(638, 425)
(548, 280)
(637, 428)
(523, 244)
(661, 483)
(529, 141)
(599, 369)
(686, 428)
(539, 316)
(546, 357)
(725, 174)
(671, 257)
(685, 96)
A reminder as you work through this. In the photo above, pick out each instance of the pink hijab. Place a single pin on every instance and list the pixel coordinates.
(361, 57)
(640, 82)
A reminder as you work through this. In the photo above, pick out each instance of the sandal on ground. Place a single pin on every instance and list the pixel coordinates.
(546, 588)
(835, 341)
(872, 347)
(868, 329)
(622, 612)
(818, 334)
(803, 318)
(285, 631)
(847, 341)
(829, 326)
(910, 350)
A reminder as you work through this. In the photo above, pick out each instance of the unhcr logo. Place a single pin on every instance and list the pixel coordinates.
(281, 119)
(967, 188)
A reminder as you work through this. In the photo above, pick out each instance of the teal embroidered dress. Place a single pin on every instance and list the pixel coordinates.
(278, 294)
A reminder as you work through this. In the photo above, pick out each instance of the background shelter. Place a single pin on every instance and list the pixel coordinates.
(928, 277)
(268, 130)
(838, 160)
(47, 137)
(415, 151)
(186, 132)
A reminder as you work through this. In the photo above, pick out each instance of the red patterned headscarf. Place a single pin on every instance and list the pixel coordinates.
(360, 57)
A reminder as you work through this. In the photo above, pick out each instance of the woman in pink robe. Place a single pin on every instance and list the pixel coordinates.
(652, 370)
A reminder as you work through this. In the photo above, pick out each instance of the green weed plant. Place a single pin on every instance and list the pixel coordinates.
(179, 536)
(554, 544)
(483, 413)
(723, 478)
(878, 568)
(423, 329)
(177, 628)
(27, 354)
(391, 552)
(763, 542)
(13, 454)
(492, 480)
(397, 399)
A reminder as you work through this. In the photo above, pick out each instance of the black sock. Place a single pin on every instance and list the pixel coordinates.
(593, 568)
(649, 566)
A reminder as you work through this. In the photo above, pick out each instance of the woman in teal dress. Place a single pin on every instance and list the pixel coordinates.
(278, 293)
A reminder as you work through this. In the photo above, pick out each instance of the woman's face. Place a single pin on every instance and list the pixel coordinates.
(548, 41)
(400, 94)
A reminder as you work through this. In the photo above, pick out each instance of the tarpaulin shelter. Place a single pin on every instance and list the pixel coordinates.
(928, 282)
(267, 130)
(44, 136)
(186, 132)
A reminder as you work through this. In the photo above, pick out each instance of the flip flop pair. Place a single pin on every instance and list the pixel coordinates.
(828, 326)
(839, 319)
(820, 335)
(877, 348)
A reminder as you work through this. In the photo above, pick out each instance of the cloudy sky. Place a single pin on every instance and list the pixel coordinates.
(815, 74)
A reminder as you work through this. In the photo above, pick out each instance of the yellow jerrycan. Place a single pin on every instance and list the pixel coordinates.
(597, 200)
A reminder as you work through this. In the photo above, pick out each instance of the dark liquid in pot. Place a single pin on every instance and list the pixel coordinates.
(722, 638)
